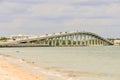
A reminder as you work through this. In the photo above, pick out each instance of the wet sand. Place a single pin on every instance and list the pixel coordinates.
(11, 72)
(12, 68)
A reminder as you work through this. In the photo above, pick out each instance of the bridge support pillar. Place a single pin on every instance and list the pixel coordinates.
(48, 42)
(77, 40)
(72, 40)
(88, 41)
(52, 42)
(66, 40)
(59, 41)
(55, 41)
(85, 39)
(102, 42)
(92, 41)
(44, 42)
(97, 41)
(80, 39)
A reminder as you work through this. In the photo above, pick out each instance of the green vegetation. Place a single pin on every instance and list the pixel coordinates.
(4, 39)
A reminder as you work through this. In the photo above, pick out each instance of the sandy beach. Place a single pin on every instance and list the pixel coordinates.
(11, 72)
(12, 68)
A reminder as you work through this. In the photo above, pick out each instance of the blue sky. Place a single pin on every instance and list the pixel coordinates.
(49, 16)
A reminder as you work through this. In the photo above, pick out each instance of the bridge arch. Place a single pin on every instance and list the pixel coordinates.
(74, 39)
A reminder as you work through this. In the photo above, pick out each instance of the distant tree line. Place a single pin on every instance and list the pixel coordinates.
(4, 39)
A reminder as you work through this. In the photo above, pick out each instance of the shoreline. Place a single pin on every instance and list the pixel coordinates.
(30, 68)
(9, 71)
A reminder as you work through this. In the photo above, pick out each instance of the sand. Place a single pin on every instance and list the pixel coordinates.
(11, 72)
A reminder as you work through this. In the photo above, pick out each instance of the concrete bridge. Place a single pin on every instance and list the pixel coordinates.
(74, 38)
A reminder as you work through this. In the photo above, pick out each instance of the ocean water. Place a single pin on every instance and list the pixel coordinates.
(85, 63)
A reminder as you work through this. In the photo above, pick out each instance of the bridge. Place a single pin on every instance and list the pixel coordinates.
(74, 38)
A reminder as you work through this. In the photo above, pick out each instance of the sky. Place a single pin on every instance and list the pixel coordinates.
(37, 17)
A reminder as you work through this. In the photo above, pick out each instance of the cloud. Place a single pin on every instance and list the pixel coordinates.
(40, 15)
(73, 11)
(10, 7)
(25, 1)
(93, 22)
(49, 10)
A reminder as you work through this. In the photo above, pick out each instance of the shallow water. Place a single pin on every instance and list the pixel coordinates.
(90, 61)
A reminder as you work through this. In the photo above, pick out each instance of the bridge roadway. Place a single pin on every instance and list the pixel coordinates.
(74, 38)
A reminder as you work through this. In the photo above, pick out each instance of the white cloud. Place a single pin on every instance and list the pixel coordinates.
(92, 22)
(49, 10)
(57, 10)
(55, 13)
(11, 7)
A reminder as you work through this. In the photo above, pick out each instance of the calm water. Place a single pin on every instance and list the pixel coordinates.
(84, 59)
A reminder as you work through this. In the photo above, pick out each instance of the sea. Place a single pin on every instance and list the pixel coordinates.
(72, 63)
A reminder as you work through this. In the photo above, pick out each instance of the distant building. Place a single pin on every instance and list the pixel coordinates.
(117, 42)
(21, 37)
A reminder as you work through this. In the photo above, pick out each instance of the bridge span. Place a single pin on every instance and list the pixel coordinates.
(74, 38)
